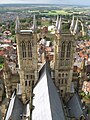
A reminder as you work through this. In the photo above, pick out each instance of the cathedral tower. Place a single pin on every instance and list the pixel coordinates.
(64, 56)
(27, 58)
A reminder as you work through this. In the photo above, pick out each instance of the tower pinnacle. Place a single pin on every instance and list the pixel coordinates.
(76, 28)
(72, 25)
(59, 25)
(17, 27)
(34, 23)
(57, 21)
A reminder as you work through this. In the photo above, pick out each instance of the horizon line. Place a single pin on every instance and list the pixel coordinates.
(46, 4)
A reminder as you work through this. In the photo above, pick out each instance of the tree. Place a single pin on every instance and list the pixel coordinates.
(38, 23)
(50, 22)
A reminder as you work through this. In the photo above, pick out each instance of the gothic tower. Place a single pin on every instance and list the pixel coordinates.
(64, 56)
(27, 58)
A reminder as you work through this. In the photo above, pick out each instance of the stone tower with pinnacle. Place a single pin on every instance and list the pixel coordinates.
(27, 58)
(64, 58)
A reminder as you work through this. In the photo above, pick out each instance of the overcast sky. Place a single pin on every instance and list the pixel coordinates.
(73, 2)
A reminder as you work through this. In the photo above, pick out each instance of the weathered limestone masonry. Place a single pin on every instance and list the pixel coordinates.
(65, 48)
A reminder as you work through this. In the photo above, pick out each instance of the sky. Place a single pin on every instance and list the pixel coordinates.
(73, 2)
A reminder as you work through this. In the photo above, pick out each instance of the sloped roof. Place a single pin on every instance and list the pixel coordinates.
(75, 107)
(15, 108)
(48, 105)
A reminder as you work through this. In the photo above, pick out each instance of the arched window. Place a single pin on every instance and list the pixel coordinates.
(29, 83)
(68, 49)
(29, 49)
(58, 81)
(59, 74)
(62, 81)
(26, 83)
(66, 74)
(27, 77)
(65, 81)
(63, 50)
(62, 74)
(23, 50)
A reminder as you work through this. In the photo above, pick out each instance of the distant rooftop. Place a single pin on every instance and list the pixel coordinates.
(26, 31)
